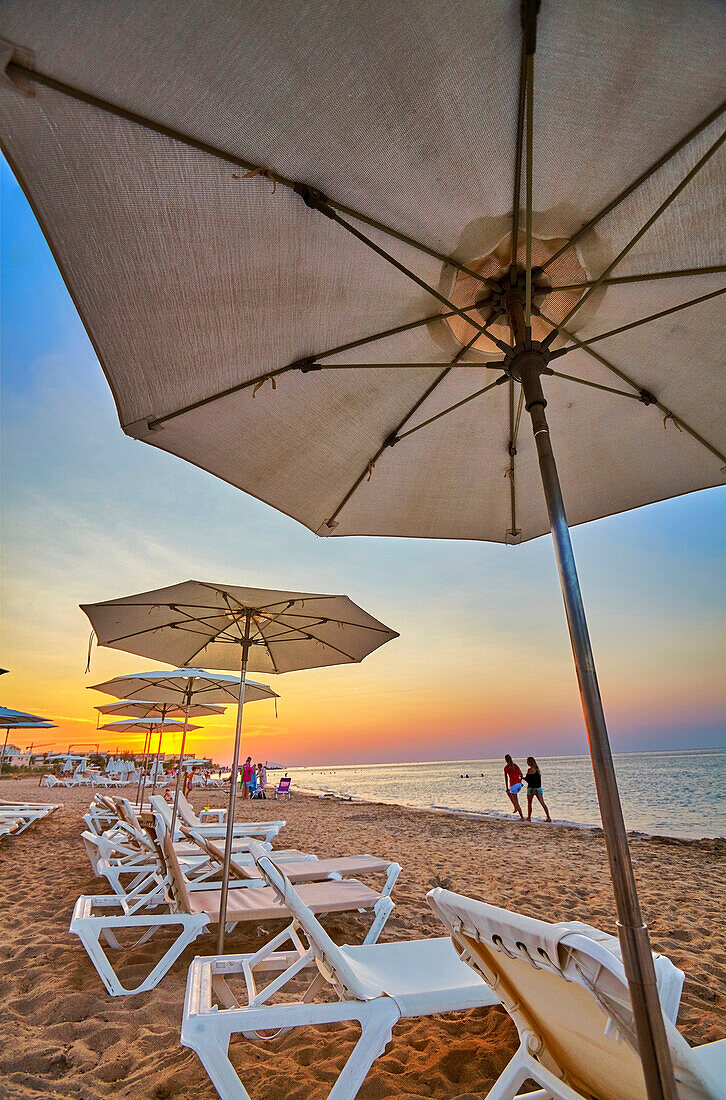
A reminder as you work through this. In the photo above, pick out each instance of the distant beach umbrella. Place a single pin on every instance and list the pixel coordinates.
(20, 718)
(227, 626)
(141, 709)
(15, 720)
(369, 271)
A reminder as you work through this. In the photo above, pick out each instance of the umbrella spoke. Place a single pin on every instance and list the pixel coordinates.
(391, 440)
(595, 385)
(641, 321)
(643, 230)
(452, 408)
(615, 280)
(712, 117)
(645, 395)
(321, 203)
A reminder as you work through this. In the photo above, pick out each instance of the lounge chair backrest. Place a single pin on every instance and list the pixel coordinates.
(284, 785)
(162, 807)
(186, 811)
(332, 963)
(563, 986)
(176, 883)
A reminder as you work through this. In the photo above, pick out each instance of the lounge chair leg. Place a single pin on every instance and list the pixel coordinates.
(524, 1067)
(377, 1020)
(213, 1053)
(89, 930)
(382, 909)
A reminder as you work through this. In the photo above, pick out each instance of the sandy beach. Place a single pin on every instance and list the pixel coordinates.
(63, 1036)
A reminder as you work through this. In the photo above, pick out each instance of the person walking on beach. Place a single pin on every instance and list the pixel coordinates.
(513, 783)
(246, 777)
(534, 788)
(261, 781)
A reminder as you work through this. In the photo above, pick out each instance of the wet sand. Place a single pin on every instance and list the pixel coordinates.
(63, 1036)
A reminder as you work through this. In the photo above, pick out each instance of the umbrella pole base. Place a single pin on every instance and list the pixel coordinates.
(527, 368)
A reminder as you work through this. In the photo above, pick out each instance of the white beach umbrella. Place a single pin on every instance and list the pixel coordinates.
(371, 379)
(227, 626)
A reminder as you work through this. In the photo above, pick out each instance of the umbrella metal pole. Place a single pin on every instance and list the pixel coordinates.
(633, 933)
(233, 790)
(5, 745)
(142, 776)
(156, 759)
(181, 760)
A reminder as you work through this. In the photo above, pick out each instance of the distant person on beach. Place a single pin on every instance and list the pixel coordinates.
(534, 788)
(246, 777)
(513, 783)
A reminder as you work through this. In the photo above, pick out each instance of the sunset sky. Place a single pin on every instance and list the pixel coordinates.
(483, 663)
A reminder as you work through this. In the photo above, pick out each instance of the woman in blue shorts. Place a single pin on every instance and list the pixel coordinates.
(533, 779)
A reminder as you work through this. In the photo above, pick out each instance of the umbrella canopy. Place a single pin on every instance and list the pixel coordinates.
(373, 243)
(20, 718)
(145, 725)
(141, 709)
(288, 630)
(168, 687)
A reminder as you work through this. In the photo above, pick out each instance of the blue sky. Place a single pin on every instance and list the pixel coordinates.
(483, 661)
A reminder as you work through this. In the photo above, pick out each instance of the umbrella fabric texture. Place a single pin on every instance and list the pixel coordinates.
(288, 630)
(264, 291)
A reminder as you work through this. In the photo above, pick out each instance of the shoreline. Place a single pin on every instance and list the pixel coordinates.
(495, 817)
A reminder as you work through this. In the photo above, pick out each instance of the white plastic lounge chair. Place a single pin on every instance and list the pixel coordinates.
(194, 909)
(565, 988)
(264, 830)
(376, 985)
(16, 817)
(54, 781)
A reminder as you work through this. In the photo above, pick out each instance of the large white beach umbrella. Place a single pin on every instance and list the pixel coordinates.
(227, 626)
(323, 218)
(191, 690)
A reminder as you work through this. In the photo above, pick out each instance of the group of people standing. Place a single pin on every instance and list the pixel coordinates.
(253, 780)
(514, 781)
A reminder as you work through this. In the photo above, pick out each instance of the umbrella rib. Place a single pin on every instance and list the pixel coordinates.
(518, 151)
(452, 408)
(17, 71)
(712, 117)
(341, 622)
(642, 231)
(392, 437)
(595, 385)
(641, 321)
(646, 397)
(321, 203)
(677, 273)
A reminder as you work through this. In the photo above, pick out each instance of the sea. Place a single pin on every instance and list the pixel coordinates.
(679, 794)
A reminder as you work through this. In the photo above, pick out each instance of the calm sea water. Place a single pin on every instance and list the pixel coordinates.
(671, 793)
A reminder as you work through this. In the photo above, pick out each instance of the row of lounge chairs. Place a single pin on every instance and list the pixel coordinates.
(16, 817)
(562, 984)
